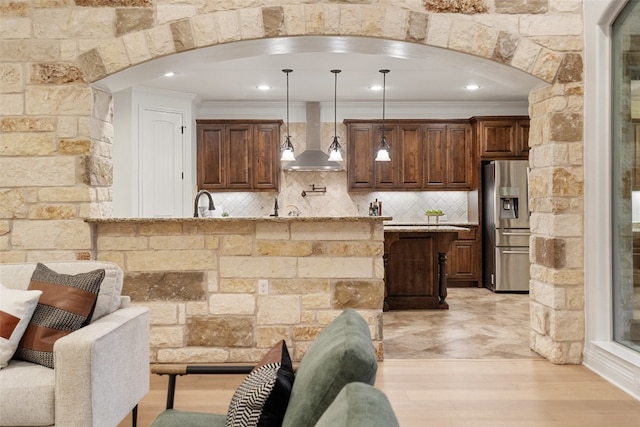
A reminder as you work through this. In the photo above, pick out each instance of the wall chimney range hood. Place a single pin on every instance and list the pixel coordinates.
(313, 158)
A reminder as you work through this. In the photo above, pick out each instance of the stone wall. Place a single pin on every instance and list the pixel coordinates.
(56, 131)
(200, 278)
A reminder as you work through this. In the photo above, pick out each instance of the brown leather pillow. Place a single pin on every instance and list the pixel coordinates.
(66, 305)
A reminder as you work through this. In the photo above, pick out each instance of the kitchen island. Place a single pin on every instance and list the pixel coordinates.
(415, 265)
(227, 289)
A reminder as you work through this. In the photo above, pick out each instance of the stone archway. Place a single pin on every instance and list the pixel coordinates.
(557, 284)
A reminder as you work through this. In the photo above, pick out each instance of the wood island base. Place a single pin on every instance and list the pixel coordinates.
(415, 265)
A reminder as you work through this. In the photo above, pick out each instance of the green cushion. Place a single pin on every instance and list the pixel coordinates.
(342, 353)
(173, 418)
(357, 405)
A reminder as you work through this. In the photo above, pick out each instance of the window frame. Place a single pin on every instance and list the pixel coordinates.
(615, 362)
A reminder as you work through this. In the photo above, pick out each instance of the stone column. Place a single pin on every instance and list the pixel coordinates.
(556, 196)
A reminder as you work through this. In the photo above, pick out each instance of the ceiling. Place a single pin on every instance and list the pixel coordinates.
(418, 73)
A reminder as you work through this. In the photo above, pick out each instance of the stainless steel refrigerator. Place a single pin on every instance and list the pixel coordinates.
(505, 218)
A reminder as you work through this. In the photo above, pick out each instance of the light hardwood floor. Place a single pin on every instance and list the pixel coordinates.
(451, 393)
(467, 367)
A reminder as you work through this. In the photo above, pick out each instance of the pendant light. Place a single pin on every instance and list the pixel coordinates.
(287, 146)
(383, 148)
(335, 149)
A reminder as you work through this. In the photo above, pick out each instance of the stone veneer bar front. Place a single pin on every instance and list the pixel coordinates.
(202, 277)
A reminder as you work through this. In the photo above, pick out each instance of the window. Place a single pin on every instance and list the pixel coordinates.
(625, 191)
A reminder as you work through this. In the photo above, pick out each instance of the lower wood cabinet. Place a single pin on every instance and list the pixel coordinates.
(411, 277)
(464, 259)
(413, 262)
(636, 259)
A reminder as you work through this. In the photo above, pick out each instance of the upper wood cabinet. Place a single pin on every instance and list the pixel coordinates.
(635, 172)
(360, 156)
(404, 171)
(235, 155)
(502, 137)
(425, 155)
(448, 156)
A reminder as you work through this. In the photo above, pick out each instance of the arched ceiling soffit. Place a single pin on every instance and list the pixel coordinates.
(391, 32)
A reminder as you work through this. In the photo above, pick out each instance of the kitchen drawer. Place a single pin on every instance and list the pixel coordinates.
(468, 235)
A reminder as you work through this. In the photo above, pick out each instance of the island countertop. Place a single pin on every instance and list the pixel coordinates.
(426, 228)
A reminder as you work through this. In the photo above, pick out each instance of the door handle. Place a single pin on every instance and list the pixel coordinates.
(512, 233)
(516, 252)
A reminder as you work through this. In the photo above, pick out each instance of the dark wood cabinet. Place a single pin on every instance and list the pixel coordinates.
(435, 159)
(266, 156)
(385, 175)
(502, 137)
(635, 172)
(238, 155)
(449, 162)
(360, 154)
(413, 263)
(464, 259)
(409, 152)
(412, 272)
(425, 155)
(636, 259)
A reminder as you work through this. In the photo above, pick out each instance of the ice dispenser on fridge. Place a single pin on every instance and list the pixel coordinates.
(509, 202)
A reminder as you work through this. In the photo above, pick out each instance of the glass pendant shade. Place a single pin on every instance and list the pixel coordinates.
(335, 149)
(383, 148)
(383, 151)
(287, 151)
(287, 146)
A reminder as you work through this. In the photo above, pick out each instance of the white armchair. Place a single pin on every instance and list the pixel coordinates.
(101, 370)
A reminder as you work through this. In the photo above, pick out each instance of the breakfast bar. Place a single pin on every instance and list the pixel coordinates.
(226, 289)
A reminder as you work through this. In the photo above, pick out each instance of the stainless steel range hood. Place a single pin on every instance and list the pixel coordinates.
(313, 158)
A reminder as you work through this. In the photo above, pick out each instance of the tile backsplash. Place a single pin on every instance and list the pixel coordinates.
(403, 206)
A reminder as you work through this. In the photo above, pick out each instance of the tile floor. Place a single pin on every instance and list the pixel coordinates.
(479, 324)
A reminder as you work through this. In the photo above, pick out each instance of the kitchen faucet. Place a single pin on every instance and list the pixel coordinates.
(212, 207)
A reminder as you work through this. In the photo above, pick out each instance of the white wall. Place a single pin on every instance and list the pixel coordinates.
(127, 106)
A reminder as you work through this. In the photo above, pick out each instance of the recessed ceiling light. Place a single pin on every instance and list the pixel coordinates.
(472, 86)
(169, 74)
(375, 87)
(264, 87)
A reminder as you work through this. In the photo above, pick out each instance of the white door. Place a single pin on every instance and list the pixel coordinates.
(161, 167)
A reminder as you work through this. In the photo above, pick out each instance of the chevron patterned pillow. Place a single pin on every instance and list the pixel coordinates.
(66, 305)
(261, 400)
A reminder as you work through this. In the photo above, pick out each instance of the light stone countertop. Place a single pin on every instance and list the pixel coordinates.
(426, 228)
(246, 219)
